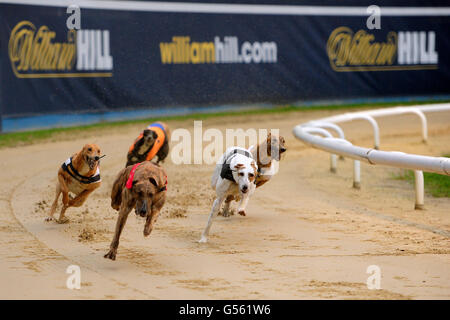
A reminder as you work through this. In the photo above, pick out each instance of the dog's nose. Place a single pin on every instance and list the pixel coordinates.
(244, 188)
(282, 150)
(142, 210)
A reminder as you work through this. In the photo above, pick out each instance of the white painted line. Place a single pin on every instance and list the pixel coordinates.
(216, 8)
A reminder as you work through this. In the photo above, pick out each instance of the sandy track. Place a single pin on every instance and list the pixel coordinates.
(307, 234)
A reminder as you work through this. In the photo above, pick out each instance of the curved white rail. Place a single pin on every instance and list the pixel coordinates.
(339, 146)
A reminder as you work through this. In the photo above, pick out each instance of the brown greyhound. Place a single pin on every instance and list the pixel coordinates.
(80, 175)
(141, 186)
(270, 149)
(265, 153)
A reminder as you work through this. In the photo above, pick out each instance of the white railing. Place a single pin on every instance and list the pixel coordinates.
(308, 132)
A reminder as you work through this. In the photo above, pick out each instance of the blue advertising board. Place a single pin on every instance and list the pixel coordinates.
(153, 55)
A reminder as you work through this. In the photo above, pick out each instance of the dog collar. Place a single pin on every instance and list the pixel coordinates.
(131, 176)
(165, 186)
(129, 183)
(69, 168)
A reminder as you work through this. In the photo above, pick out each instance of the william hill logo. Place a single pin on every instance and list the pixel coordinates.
(404, 50)
(34, 53)
(182, 51)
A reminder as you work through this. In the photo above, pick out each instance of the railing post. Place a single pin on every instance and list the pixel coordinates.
(414, 162)
(333, 163)
(333, 126)
(325, 133)
(419, 185)
(423, 119)
(376, 129)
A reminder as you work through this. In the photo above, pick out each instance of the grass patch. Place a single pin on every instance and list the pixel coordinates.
(35, 136)
(437, 185)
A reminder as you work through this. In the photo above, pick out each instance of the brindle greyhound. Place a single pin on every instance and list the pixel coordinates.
(140, 186)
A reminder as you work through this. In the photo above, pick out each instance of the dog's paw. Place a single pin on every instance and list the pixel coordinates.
(48, 219)
(147, 232)
(203, 240)
(111, 255)
(242, 212)
(226, 213)
(63, 220)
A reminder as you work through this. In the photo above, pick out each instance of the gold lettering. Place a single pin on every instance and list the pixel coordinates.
(347, 49)
(182, 50)
(33, 50)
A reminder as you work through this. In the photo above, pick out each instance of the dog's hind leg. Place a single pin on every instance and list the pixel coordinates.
(65, 199)
(62, 218)
(214, 210)
(55, 203)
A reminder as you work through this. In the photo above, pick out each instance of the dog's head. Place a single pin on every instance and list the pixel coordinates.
(275, 146)
(91, 154)
(246, 175)
(147, 186)
(149, 136)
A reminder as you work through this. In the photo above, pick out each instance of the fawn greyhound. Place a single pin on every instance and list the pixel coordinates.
(80, 175)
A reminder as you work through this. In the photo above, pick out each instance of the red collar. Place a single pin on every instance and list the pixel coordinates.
(131, 177)
(129, 183)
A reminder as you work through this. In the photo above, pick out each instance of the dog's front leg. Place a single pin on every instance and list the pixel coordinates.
(121, 220)
(244, 200)
(150, 222)
(80, 198)
(226, 212)
(214, 210)
(152, 215)
(243, 204)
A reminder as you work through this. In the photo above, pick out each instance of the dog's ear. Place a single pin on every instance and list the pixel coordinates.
(155, 135)
(239, 166)
(85, 149)
(153, 181)
(269, 137)
(282, 145)
(162, 185)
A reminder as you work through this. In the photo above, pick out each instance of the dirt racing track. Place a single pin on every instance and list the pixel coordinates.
(307, 233)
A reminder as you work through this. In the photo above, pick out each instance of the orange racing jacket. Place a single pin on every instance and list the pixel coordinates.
(160, 131)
